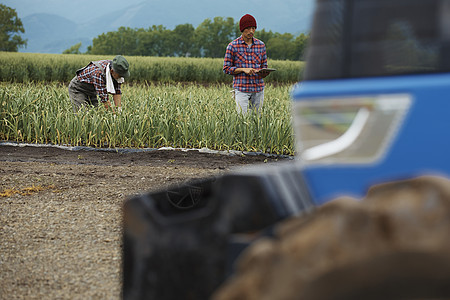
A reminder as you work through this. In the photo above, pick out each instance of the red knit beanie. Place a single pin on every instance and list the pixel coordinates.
(247, 21)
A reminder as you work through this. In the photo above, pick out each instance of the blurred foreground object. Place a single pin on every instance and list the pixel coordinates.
(394, 244)
(181, 243)
(373, 108)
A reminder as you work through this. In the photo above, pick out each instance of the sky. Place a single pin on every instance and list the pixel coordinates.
(74, 10)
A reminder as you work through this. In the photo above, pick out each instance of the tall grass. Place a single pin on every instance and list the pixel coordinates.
(31, 67)
(153, 115)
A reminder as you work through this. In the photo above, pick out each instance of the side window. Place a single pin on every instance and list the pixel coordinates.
(361, 38)
(394, 37)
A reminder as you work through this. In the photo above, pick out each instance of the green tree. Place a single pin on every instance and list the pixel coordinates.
(154, 41)
(75, 49)
(9, 25)
(213, 37)
(284, 46)
(300, 45)
(123, 41)
(184, 41)
(101, 44)
(281, 46)
(161, 37)
(145, 42)
(264, 35)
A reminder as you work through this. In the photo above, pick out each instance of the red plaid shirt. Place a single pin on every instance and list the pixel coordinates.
(240, 55)
(93, 75)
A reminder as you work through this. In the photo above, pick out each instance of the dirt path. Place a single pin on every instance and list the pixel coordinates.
(60, 214)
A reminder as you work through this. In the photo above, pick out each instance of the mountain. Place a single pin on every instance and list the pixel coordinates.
(48, 33)
(51, 26)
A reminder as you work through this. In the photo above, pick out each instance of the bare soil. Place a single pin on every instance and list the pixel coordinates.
(60, 213)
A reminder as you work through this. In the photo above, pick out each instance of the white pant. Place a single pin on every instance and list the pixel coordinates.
(245, 101)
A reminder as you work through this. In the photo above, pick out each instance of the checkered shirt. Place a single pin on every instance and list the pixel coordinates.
(240, 55)
(93, 75)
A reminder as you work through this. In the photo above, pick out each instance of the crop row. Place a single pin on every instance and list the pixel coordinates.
(32, 67)
(153, 116)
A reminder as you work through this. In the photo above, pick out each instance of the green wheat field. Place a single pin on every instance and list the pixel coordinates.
(167, 102)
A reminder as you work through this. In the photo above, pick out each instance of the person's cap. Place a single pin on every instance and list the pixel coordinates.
(120, 65)
(247, 21)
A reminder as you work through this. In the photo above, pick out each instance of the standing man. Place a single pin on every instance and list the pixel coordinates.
(244, 57)
(99, 78)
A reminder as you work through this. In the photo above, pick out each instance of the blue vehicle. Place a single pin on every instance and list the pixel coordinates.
(373, 105)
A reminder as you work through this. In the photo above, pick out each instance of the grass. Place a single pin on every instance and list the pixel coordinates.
(153, 116)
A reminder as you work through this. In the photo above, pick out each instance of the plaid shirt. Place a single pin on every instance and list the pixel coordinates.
(93, 75)
(240, 55)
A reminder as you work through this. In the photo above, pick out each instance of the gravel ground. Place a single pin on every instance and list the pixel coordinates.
(60, 214)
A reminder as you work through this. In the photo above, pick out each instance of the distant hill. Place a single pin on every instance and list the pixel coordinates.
(57, 30)
(48, 33)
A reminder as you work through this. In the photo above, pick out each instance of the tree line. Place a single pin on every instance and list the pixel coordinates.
(209, 39)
